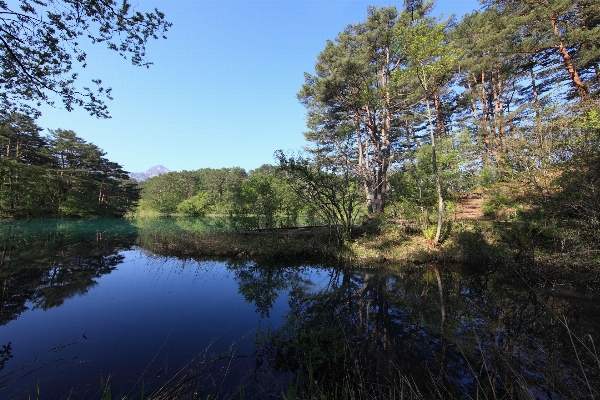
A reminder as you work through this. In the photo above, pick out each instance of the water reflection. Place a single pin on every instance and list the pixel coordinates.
(439, 330)
(44, 262)
(497, 331)
(443, 331)
(261, 283)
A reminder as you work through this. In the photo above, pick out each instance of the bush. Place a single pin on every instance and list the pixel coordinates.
(195, 205)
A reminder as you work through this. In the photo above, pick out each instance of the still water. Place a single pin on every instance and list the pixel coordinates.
(83, 302)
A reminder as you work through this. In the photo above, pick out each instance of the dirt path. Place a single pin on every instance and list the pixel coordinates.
(470, 207)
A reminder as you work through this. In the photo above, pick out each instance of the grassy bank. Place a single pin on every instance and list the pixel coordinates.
(558, 256)
(512, 225)
(474, 242)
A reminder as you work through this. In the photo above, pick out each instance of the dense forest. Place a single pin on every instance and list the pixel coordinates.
(405, 113)
(261, 198)
(59, 174)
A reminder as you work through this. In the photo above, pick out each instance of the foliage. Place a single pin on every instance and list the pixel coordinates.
(349, 103)
(164, 193)
(580, 191)
(259, 199)
(431, 56)
(195, 206)
(222, 186)
(267, 201)
(495, 203)
(413, 192)
(216, 188)
(333, 194)
(40, 46)
(58, 175)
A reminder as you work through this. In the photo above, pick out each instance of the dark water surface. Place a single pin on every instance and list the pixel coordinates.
(84, 299)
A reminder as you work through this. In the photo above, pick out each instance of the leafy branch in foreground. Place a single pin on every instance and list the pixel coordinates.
(39, 45)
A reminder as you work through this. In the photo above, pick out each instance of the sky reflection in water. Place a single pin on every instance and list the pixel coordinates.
(83, 305)
(81, 298)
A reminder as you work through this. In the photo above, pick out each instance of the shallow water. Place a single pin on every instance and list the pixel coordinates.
(83, 300)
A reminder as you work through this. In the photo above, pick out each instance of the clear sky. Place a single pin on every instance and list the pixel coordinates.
(222, 90)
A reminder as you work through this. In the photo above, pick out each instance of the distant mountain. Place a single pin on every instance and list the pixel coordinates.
(154, 171)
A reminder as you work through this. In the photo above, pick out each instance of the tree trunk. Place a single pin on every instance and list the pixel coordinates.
(485, 99)
(438, 184)
(536, 103)
(441, 292)
(384, 149)
(443, 340)
(500, 121)
(376, 191)
(482, 120)
(499, 111)
(370, 197)
(439, 116)
(481, 147)
(568, 61)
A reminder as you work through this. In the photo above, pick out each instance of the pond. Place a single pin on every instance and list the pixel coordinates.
(88, 305)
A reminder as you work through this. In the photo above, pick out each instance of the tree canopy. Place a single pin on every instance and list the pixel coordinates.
(58, 175)
(511, 84)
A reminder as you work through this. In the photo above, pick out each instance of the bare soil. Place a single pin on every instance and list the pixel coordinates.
(470, 207)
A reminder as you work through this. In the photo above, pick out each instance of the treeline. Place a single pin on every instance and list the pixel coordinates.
(59, 174)
(404, 111)
(261, 198)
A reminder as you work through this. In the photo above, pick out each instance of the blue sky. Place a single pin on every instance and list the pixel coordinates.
(222, 90)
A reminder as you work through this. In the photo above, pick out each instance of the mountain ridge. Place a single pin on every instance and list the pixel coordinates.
(154, 171)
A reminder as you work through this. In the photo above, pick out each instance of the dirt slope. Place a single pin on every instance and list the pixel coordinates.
(470, 207)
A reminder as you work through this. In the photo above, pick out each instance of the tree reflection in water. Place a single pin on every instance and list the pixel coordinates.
(261, 283)
(45, 262)
(442, 332)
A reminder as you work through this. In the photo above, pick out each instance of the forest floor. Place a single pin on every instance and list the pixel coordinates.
(501, 224)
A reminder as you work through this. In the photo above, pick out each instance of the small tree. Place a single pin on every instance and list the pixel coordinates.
(333, 192)
(430, 58)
